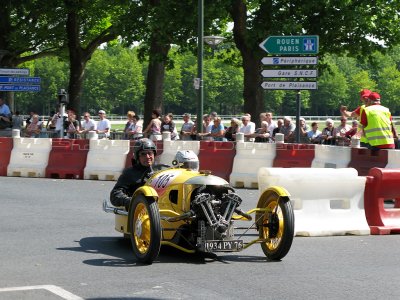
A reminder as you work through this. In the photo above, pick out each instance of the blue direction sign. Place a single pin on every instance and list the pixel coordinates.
(291, 44)
(19, 88)
(289, 60)
(13, 71)
(27, 80)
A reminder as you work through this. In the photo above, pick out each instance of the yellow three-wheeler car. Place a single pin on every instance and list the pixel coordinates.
(195, 211)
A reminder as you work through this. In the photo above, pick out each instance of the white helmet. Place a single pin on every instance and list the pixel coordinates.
(187, 159)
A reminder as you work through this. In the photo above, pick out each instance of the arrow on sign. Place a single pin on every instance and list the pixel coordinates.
(291, 44)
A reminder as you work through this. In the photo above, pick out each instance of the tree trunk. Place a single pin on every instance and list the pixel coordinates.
(252, 91)
(155, 78)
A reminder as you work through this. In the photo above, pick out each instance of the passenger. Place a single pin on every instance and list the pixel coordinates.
(133, 177)
(187, 159)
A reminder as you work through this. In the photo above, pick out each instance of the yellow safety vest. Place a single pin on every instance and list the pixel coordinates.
(379, 129)
(363, 138)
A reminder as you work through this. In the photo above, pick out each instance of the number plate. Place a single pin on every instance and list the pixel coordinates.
(216, 246)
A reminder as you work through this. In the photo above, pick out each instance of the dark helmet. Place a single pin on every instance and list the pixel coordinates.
(140, 145)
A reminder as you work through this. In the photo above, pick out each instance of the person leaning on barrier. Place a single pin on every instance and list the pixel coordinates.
(377, 123)
(133, 177)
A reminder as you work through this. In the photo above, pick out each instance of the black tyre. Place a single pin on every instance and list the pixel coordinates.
(145, 229)
(276, 225)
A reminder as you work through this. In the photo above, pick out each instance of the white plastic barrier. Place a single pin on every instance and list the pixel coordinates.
(29, 157)
(326, 201)
(106, 159)
(248, 159)
(331, 157)
(171, 147)
(393, 159)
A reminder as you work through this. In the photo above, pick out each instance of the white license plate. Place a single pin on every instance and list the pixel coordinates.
(216, 246)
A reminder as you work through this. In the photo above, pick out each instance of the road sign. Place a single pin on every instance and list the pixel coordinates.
(291, 44)
(292, 60)
(290, 73)
(28, 80)
(289, 85)
(13, 71)
(19, 88)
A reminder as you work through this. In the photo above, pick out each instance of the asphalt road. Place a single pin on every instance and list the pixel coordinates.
(57, 243)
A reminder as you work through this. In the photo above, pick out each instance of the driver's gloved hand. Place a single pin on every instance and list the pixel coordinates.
(127, 202)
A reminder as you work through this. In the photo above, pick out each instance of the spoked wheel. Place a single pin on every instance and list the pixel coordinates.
(145, 229)
(276, 225)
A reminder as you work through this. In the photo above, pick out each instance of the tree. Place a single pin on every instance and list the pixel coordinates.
(25, 34)
(355, 27)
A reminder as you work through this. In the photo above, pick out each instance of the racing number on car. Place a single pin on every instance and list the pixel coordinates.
(163, 180)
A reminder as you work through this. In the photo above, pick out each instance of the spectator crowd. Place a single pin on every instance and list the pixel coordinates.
(372, 126)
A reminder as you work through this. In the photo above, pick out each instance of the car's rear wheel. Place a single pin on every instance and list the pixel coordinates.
(145, 229)
(277, 226)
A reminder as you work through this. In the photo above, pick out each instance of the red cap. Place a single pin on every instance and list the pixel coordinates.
(365, 93)
(374, 96)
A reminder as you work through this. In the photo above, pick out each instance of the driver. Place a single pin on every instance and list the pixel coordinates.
(132, 177)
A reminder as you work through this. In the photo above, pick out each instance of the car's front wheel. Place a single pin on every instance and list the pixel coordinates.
(145, 229)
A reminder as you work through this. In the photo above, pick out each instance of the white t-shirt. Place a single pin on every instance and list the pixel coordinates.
(89, 125)
(103, 125)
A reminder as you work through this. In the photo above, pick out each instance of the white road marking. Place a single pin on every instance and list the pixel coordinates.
(51, 288)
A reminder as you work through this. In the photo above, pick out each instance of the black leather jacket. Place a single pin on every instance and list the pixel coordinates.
(130, 179)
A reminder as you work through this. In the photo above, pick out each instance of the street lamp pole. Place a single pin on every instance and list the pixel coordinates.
(200, 92)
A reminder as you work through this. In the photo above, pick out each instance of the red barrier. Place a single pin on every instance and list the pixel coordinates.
(363, 159)
(6, 146)
(294, 155)
(67, 158)
(217, 157)
(382, 184)
(129, 156)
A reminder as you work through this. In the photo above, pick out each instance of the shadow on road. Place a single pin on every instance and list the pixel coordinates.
(121, 254)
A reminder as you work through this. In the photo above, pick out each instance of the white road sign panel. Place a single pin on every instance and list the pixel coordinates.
(290, 73)
(290, 60)
(12, 71)
(289, 85)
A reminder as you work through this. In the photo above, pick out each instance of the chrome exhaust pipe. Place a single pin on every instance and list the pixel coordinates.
(112, 209)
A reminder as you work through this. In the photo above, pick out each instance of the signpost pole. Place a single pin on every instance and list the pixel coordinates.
(298, 113)
(200, 95)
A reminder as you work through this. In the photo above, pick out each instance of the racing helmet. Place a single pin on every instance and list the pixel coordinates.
(140, 145)
(187, 159)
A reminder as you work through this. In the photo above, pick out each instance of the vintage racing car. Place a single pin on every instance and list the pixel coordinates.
(195, 211)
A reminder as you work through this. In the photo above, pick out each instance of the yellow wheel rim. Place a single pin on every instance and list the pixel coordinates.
(142, 228)
(273, 243)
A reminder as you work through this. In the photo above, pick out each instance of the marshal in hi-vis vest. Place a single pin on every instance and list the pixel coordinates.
(379, 129)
